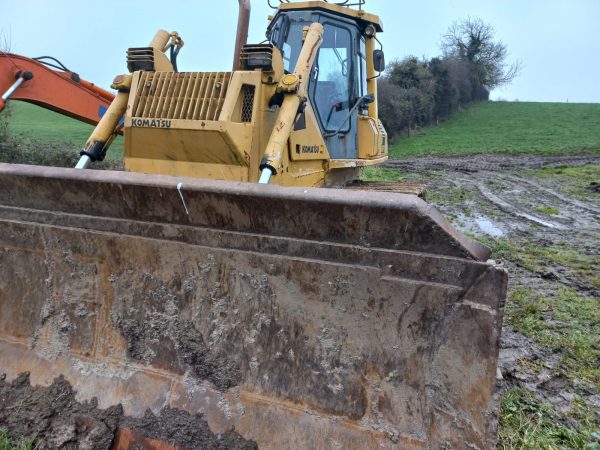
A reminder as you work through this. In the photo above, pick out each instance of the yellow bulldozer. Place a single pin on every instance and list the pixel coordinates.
(226, 270)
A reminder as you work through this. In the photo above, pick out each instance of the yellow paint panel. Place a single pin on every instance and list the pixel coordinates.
(368, 137)
(349, 163)
(308, 144)
(187, 169)
(186, 140)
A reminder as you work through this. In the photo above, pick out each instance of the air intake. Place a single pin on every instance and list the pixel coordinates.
(182, 95)
(141, 58)
(257, 57)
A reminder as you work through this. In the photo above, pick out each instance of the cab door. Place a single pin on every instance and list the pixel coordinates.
(331, 91)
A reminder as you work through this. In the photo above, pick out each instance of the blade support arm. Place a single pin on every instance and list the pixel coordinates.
(98, 143)
(294, 88)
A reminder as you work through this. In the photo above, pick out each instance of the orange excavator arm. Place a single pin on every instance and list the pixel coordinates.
(46, 82)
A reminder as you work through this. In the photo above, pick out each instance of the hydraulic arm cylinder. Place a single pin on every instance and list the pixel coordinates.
(294, 87)
(22, 78)
(106, 130)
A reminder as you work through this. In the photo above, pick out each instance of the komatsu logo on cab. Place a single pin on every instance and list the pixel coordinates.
(152, 123)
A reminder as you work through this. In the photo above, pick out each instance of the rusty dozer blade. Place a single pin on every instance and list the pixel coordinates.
(320, 317)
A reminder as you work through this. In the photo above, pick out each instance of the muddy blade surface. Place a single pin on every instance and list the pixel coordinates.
(326, 318)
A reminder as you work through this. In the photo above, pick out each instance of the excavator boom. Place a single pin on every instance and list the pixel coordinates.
(57, 89)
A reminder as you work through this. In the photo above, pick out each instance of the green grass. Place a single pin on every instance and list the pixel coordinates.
(34, 125)
(567, 324)
(31, 121)
(538, 258)
(376, 173)
(548, 210)
(526, 423)
(574, 330)
(574, 181)
(8, 444)
(510, 128)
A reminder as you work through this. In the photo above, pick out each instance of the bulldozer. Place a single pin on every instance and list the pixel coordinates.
(227, 271)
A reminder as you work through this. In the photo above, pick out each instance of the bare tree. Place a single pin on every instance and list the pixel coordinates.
(5, 41)
(472, 40)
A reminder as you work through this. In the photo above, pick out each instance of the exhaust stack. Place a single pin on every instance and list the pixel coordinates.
(242, 32)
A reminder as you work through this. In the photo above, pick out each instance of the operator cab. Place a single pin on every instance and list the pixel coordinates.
(338, 87)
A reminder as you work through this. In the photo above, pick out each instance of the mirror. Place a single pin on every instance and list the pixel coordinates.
(378, 60)
(366, 99)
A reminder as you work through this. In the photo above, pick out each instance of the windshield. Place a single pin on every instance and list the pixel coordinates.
(331, 84)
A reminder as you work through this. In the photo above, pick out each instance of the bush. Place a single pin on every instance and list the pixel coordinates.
(4, 118)
(415, 93)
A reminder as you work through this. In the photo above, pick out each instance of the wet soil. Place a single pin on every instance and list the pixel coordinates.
(54, 417)
(185, 431)
(55, 420)
(489, 162)
(497, 198)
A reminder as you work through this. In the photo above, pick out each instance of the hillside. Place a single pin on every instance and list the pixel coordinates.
(490, 127)
(34, 124)
(509, 128)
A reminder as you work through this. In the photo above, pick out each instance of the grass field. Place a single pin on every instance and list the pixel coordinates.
(492, 127)
(509, 127)
(33, 124)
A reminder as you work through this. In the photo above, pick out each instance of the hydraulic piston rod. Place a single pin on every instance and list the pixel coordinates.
(23, 77)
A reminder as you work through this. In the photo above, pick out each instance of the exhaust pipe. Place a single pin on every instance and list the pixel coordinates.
(242, 32)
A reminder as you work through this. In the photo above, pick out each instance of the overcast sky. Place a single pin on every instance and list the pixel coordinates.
(558, 41)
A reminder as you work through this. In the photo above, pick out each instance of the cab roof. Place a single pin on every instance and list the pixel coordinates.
(358, 15)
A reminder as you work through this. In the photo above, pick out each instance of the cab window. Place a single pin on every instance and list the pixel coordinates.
(331, 80)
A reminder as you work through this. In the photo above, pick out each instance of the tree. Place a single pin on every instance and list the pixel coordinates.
(417, 88)
(5, 41)
(472, 40)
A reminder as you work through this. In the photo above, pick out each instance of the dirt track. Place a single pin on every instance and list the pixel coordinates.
(489, 162)
(497, 198)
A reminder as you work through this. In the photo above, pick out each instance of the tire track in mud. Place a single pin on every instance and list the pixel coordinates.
(509, 197)
(519, 197)
(565, 199)
(490, 162)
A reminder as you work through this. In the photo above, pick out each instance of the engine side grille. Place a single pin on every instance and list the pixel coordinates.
(182, 95)
(247, 102)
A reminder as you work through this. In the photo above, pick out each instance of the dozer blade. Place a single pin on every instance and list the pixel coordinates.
(306, 318)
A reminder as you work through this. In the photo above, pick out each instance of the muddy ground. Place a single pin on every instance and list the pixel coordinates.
(508, 202)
